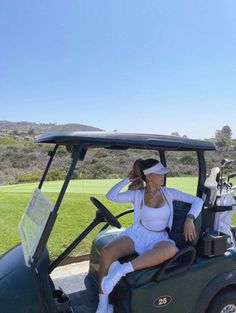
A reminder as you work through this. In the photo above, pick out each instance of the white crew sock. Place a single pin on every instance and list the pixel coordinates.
(127, 268)
(109, 282)
(103, 300)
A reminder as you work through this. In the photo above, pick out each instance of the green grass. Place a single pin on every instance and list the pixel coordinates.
(75, 214)
(98, 186)
(87, 186)
(76, 211)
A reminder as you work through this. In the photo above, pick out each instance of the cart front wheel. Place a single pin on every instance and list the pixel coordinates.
(224, 302)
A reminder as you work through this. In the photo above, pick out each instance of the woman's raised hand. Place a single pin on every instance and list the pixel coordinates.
(132, 177)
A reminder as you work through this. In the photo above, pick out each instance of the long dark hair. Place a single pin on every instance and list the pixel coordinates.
(138, 168)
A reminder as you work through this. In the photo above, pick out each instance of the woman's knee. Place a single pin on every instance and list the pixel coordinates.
(171, 250)
(106, 253)
(167, 249)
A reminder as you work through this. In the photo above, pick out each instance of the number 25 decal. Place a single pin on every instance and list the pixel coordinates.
(162, 301)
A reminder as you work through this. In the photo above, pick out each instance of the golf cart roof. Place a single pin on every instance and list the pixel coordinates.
(116, 140)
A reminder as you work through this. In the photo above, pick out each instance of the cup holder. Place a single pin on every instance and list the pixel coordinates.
(62, 301)
(57, 293)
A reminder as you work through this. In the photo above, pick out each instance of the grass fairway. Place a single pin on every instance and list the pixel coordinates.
(98, 186)
(75, 214)
(87, 186)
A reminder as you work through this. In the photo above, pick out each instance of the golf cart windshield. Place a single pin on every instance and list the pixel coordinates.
(33, 223)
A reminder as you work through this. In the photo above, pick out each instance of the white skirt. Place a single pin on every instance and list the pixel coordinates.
(145, 239)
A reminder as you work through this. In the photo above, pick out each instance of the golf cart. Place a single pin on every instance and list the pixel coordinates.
(201, 278)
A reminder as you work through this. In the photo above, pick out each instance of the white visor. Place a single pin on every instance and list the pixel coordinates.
(156, 169)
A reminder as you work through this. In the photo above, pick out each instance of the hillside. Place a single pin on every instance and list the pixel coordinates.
(24, 127)
(22, 160)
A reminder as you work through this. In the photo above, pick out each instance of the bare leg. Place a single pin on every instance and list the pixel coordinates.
(161, 252)
(112, 252)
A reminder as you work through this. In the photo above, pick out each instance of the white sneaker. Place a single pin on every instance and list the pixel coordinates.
(110, 308)
(105, 309)
(109, 281)
(113, 267)
(101, 309)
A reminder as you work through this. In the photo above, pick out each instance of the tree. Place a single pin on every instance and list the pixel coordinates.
(15, 132)
(223, 136)
(31, 131)
(175, 134)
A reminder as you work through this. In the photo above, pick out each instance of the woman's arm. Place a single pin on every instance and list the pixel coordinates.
(196, 207)
(114, 193)
(196, 202)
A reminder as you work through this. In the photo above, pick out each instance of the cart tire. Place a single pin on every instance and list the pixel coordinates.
(224, 302)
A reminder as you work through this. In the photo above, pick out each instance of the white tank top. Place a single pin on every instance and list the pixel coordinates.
(155, 219)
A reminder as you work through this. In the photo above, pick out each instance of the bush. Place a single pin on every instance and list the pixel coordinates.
(28, 147)
(16, 164)
(30, 177)
(7, 141)
(188, 159)
(56, 174)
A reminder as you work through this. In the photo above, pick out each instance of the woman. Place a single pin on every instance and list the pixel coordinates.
(153, 214)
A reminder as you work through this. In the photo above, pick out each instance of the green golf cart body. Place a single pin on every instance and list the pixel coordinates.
(201, 278)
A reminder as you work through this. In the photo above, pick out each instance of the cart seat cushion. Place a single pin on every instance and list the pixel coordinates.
(181, 210)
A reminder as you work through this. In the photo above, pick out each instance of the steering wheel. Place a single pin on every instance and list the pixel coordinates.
(108, 216)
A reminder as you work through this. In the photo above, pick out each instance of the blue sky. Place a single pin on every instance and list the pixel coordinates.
(153, 66)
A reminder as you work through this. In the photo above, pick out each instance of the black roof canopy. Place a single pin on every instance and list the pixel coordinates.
(117, 140)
